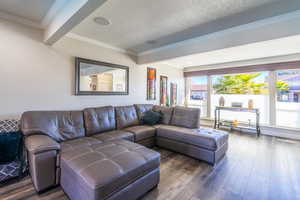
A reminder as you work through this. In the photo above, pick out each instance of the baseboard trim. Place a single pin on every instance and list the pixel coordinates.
(288, 133)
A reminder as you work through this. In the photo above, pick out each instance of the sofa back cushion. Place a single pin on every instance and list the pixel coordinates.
(141, 109)
(59, 125)
(99, 120)
(126, 116)
(186, 117)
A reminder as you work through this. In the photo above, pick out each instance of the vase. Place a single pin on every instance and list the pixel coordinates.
(235, 123)
(250, 104)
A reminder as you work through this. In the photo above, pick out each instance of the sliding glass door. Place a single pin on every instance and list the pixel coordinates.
(288, 98)
(199, 93)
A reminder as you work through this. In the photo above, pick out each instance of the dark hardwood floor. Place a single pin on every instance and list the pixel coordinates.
(254, 169)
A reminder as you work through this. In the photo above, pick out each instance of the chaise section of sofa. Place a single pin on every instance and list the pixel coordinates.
(184, 135)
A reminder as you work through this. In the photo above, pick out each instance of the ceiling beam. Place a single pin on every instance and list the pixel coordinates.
(53, 11)
(256, 61)
(262, 30)
(68, 17)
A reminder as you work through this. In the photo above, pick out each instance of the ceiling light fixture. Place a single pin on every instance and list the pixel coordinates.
(102, 21)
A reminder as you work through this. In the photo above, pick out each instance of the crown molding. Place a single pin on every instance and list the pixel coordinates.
(20, 20)
(172, 65)
(57, 5)
(98, 43)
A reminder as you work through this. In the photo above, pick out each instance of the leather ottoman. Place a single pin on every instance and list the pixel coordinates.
(116, 169)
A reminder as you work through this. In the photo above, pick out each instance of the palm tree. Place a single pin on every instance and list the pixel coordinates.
(240, 84)
(282, 86)
(245, 84)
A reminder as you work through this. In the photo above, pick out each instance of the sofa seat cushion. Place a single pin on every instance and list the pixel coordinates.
(71, 145)
(112, 135)
(141, 132)
(210, 139)
(100, 170)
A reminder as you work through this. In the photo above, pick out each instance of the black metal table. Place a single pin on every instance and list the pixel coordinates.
(219, 123)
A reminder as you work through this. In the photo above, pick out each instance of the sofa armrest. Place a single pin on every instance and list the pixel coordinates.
(43, 155)
(40, 143)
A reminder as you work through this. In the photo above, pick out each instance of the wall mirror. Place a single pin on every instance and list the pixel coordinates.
(100, 78)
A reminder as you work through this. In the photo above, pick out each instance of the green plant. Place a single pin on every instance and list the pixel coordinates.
(282, 86)
(245, 84)
(240, 84)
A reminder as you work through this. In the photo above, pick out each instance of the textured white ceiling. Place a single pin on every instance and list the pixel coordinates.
(134, 22)
(271, 48)
(34, 10)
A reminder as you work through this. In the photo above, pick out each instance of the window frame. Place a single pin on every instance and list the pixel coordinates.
(274, 122)
(188, 82)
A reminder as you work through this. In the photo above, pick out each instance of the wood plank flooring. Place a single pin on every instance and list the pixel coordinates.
(265, 168)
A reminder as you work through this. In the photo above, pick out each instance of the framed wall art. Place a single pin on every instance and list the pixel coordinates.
(151, 83)
(164, 100)
(173, 94)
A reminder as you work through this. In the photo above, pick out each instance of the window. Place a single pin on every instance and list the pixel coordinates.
(198, 94)
(288, 98)
(240, 88)
(275, 93)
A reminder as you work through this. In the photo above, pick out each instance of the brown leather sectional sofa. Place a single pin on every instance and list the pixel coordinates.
(101, 153)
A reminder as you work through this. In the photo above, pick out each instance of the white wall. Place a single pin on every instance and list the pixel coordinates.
(34, 76)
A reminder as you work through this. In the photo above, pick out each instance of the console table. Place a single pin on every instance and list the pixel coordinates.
(219, 122)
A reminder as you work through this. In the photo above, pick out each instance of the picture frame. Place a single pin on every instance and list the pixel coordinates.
(151, 83)
(90, 75)
(164, 98)
(173, 94)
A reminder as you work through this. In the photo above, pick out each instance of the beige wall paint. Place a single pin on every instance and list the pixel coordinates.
(34, 76)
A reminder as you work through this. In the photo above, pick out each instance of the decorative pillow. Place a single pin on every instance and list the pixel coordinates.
(151, 117)
(166, 112)
(10, 144)
(9, 125)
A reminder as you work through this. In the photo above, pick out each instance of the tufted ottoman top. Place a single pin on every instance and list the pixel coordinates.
(207, 138)
(101, 169)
